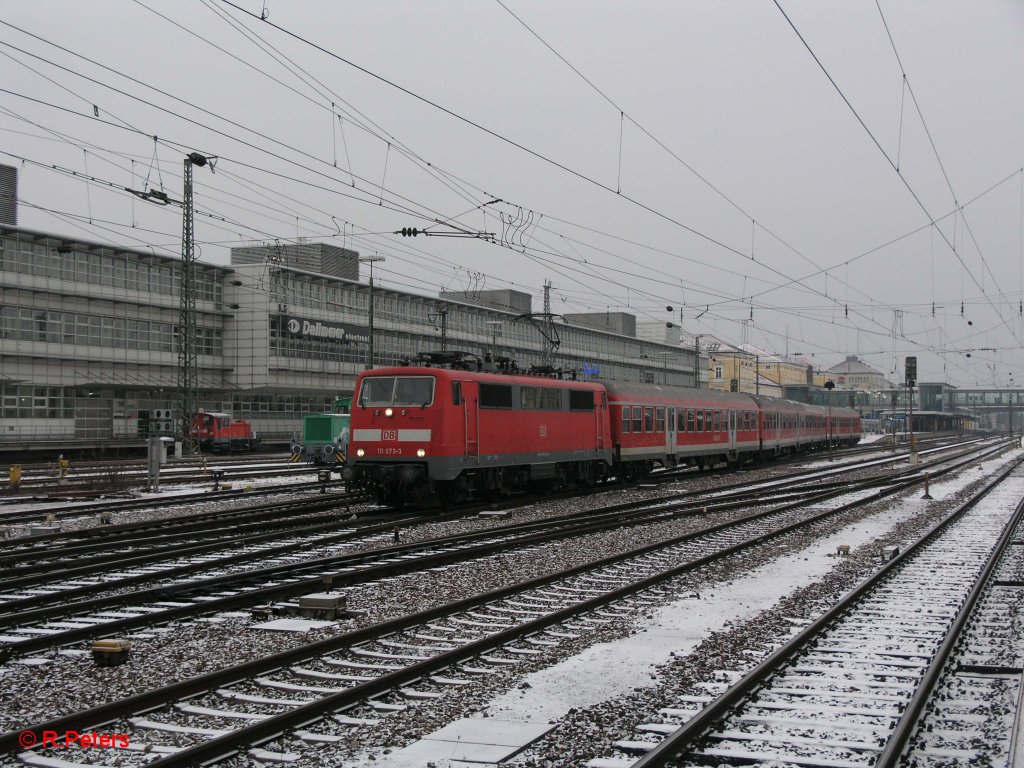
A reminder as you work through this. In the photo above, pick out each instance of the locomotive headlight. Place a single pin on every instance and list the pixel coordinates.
(360, 452)
(420, 452)
(388, 412)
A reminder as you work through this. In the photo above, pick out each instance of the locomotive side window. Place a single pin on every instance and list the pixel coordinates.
(638, 419)
(625, 420)
(456, 393)
(659, 420)
(581, 400)
(540, 399)
(649, 419)
(495, 396)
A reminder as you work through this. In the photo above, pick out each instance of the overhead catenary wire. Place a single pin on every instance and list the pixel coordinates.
(725, 297)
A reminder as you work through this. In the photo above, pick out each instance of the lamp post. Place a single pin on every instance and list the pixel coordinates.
(369, 347)
(496, 328)
(188, 387)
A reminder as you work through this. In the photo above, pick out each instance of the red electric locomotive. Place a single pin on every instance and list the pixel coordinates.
(419, 432)
(423, 432)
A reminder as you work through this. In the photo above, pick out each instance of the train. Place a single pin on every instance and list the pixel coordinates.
(325, 436)
(219, 433)
(451, 434)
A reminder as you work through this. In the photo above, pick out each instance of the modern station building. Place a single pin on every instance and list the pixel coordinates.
(88, 338)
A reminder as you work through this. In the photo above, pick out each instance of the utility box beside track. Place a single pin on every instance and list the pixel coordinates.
(323, 605)
(111, 652)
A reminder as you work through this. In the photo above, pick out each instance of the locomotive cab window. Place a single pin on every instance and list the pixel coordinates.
(396, 390)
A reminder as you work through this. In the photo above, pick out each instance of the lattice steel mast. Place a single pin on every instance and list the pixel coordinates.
(188, 375)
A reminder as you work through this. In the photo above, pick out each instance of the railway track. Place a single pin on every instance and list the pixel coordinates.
(376, 669)
(848, 691)
(79, 602)
(91, 478)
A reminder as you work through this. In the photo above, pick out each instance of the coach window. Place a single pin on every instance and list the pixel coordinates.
(691, 420)
(638, 419)
(707, 421)
(681, 420)
(625, 420)
(649, 419)
(659, 420)
(716, 421)
(700, 420)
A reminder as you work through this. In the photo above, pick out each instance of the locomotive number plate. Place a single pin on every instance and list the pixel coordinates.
(389, 451)
(389, 434)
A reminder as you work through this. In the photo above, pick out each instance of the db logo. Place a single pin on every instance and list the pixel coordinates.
(389, 434)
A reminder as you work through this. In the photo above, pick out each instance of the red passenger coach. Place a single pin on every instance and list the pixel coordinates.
(423, 432)
(673, 425)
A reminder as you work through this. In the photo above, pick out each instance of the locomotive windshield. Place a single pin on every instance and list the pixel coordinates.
(397, 390)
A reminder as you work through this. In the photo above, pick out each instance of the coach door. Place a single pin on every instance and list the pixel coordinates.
(670, 431)
(732, 430)
(471, 419)
(600, 409)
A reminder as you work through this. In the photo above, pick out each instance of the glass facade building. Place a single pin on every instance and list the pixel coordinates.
(88, 350)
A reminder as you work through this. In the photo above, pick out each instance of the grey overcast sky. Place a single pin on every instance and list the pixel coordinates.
(814, 177)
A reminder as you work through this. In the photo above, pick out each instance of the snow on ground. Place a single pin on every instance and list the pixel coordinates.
(608, 670)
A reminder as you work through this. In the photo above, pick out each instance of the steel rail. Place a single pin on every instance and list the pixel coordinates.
(675, 744)
(270, 728)
(587, 520)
